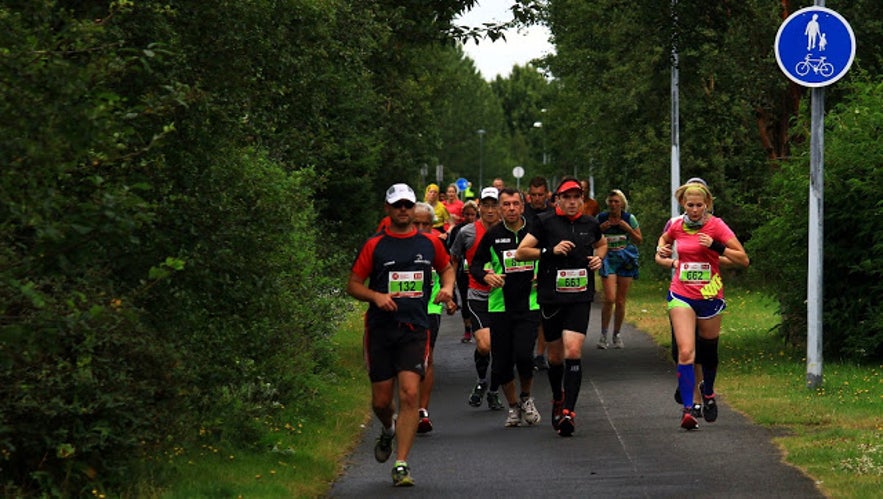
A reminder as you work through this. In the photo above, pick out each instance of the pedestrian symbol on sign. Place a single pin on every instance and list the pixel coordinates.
(812, 32)
(815, 47)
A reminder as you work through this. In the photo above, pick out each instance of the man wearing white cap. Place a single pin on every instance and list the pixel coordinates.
(570, 248)
(465, 246)
(398, 261)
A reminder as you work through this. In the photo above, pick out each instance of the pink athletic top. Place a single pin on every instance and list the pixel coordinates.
(698, 273)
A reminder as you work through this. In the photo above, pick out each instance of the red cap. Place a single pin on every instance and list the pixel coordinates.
(569, 185)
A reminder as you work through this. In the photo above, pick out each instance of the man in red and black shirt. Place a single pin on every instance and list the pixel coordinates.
(570, 248)
(398, 264)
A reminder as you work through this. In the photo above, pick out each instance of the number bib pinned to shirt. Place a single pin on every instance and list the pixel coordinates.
(406, 284)
(572, 281)
(616, 242)
(510, 264)
(695, 273)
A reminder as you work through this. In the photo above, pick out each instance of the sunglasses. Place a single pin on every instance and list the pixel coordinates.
(402, 204)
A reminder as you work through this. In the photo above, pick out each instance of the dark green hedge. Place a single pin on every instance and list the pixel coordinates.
(161, 257)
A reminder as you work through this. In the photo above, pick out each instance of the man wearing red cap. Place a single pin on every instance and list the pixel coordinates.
(570, 247)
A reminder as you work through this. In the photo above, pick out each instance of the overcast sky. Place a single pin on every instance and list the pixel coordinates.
(497, 58)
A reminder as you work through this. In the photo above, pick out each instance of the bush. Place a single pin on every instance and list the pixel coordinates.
(153, 271)
(853, 318)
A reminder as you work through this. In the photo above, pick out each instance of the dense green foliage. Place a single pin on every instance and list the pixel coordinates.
(741, 128)
(173, 178)
(853, 319)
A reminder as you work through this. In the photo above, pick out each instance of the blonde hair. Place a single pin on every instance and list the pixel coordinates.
(625, 200)
(430, 187)
(470, 204)
(695, 188)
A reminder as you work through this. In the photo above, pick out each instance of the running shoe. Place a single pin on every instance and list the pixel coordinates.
(557, 406)
(401, 475)
(602, 342)
(514, 418)
(467, 337)
(709, 408)
(540, 363)
(424, 424)
(529, 411)
(493, 401)
(688, 420)
(477, 394)
(383, 447)
(696, 411)
(567, 423)
(617, 341)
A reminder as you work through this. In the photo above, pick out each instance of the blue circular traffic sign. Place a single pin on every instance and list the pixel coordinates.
(462, 184)
(815, 47)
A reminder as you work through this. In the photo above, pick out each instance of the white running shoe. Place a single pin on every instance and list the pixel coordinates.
(602, 342)
(529, 412)
(514, 418)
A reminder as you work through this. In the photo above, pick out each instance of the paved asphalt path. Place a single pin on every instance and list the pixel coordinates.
(628, 441)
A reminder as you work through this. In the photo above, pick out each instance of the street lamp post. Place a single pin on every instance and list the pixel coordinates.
(539, 124)
(480, 133)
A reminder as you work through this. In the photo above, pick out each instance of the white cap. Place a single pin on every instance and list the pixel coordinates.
(399, 192)
(490, 192)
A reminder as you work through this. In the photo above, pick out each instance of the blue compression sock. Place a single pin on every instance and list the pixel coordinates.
(686, 382)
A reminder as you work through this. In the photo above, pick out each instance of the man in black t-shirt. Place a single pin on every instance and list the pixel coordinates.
(570, 247)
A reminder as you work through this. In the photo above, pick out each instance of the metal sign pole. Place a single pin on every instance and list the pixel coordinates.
(675, 113)
(815, 47)
(815, 267)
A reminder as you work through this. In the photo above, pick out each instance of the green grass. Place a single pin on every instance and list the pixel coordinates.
(307, 449)
(833, 433)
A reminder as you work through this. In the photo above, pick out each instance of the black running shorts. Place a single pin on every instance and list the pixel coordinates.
(570, 316)
(396, 347)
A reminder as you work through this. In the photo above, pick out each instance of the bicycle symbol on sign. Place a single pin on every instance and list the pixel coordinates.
(818, 66)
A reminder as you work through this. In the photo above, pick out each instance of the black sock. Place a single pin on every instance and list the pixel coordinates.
(573, 378)
(707, 350)
(556, 374)
(482, 362)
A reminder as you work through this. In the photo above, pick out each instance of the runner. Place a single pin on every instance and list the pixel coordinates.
(570, 247)
(538, 202)
(620, 265)
(423, 215)
(696, 292)
(398, 262)
(477, 298)
(470, 213)
(512, 305)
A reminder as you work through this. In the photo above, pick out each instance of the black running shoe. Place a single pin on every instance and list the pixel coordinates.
(567, 423)
(688, 421)
(696, 411)
(383, 447)
(477, 394)
(709, 408)
(494, 402)
(557, 406)
(424, 424)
